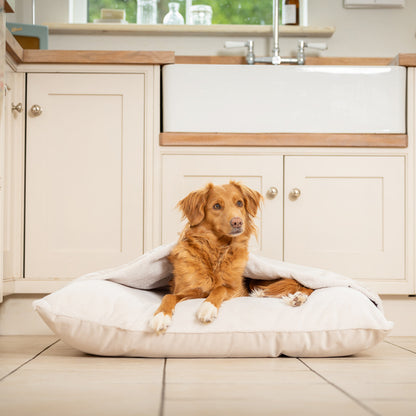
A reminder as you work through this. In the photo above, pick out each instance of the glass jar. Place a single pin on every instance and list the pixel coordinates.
(173, 17)
(146, 12)
(201, 14)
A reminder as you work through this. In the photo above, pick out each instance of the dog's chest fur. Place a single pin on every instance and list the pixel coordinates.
(204, 264)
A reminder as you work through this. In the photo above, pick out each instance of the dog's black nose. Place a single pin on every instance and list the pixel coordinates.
(236, 222)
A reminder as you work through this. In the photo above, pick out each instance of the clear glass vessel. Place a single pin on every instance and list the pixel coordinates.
(173, 17)
(201, 14)
(146, 12)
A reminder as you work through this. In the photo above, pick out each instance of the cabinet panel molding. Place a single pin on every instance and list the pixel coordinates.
(84, 207)
(349, 217)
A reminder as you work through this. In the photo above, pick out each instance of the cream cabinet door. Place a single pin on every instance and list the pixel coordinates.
(349, 217)
(84, 175)
(182, 174)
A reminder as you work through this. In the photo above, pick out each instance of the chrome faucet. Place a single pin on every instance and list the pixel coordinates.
(275, 59)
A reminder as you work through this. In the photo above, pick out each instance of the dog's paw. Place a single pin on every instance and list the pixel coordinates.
(207, 312)
(160, 322)
(258, 293)
(296, 299)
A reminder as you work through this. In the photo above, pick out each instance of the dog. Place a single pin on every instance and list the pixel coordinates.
(210, 256)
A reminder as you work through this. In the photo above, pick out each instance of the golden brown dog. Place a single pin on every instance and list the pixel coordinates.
(210, 257)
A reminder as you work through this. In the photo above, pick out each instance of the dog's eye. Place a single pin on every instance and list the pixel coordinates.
(217, 206)
(239, 203)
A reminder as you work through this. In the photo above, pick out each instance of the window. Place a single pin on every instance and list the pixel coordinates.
(241, 12)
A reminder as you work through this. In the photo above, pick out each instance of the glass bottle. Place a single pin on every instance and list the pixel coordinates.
(146, 12)
(201, 14)
(290, 12)
(173, 17)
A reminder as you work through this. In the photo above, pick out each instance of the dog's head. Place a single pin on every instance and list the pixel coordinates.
(226, 210)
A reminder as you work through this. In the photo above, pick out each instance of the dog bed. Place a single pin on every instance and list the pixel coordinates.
(107, 313)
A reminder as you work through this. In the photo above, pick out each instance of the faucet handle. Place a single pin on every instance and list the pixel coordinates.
(249, 44)
(322, 46)
(237, 44)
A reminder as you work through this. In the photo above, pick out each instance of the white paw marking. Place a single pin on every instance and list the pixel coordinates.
(160, 322)
(295, 299)
(207, 312)
(257, 293)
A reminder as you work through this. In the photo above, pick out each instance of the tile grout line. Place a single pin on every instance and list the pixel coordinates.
(399, 346)
(162, 395)
(29, 360)
(360, 403)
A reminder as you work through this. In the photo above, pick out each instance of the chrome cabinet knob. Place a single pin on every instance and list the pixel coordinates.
(18, 107)
(272, 192)
(294, 194)
(36, 110)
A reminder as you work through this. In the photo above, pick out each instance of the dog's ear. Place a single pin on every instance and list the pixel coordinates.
(252, 199)
(193, 205)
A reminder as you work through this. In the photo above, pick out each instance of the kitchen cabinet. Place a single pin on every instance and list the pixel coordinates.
(84, 172)
(345, 213)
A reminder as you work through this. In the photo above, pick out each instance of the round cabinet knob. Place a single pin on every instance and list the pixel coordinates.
(18, 107)
(294, 194)
(36, 110)
(272, 192)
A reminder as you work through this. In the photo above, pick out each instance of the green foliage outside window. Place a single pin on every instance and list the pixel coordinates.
(240, 12)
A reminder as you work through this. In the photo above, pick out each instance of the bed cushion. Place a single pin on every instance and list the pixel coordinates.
(102, 317)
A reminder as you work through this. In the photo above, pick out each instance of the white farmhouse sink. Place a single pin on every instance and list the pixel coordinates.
(284, 99)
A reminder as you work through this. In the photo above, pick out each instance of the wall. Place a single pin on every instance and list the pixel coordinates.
(359, 32)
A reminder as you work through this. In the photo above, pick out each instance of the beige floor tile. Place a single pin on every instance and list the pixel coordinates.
(16, 350)
(63, 398)
(393, 408)
(263, 407)
(246, 391)
(401, 371)
(381, 351)
(78, 367)
(405, 342)
(231, 370)
(381, 391)
(62, 381)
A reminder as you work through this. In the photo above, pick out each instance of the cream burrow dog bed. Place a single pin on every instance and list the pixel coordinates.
(107, 313)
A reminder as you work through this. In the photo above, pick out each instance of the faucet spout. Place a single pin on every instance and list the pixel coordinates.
(275, 50)
(275, 59)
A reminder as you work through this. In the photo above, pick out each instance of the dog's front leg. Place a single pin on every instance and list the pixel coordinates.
(163, 316)
(208, 310)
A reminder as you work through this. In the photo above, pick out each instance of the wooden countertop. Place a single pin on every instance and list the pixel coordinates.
(39, 56)
(405, 59)
(283, 139)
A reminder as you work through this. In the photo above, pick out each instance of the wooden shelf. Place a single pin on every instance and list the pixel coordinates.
(189, 30)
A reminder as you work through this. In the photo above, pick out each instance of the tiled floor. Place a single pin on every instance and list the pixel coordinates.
(42, 376)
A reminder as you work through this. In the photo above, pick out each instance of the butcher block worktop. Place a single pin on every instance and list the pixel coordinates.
(39, 56)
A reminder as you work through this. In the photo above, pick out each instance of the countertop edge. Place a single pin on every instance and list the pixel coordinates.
(284, 139)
